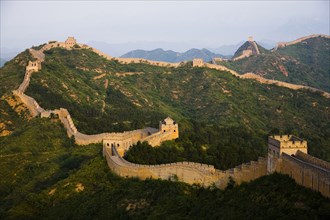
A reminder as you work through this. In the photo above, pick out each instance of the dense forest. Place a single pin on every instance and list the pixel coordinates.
(209, 105)
(43, 175)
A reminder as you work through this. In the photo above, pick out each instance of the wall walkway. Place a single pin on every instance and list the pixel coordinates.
(188, 172)
(307, 173)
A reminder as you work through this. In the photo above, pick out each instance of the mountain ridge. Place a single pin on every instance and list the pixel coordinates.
(304, 62)
(172, 56)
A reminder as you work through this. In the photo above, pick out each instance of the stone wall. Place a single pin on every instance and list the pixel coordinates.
(255, 47)
(183, 171)
(306, 174)
(150, 62)
(29, 102)
(245, 53)
(262, 79)
(188, 172)
(284, 44)
(243, 173)
(313, 160)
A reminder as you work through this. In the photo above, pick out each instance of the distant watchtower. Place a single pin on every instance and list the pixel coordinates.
(279, 144)
(198, 62)
(169, 125)
(250, 39)
(70, 42)
(33, 66)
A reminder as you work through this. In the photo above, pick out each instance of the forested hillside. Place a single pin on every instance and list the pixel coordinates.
(223, 121)
(43, 175)
(305, 63)
(105, 96)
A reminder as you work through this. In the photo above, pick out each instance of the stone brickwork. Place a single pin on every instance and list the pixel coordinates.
(313, 160)
(287, 154)
(306, 173)
(188, 172)
(279, 144)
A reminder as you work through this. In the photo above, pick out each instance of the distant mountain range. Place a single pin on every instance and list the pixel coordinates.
(172, 56)
(7, 54)
(2, 62)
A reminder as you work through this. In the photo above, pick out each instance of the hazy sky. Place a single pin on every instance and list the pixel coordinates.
(203, 23)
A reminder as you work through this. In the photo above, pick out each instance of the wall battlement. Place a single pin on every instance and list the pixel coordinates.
(287, 154)
(188, 172)
(306, 174)
(312, 160)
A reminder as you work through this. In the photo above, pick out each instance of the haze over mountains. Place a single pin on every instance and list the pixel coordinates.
(171, 56)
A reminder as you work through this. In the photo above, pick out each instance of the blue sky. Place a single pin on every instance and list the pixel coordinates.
(200, 23)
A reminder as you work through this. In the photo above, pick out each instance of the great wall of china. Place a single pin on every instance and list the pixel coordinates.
(200, 63)
(284, 44)
(286, 155)
(249, 51)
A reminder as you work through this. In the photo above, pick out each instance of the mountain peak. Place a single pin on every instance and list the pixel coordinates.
(249, 48)
(172, 56)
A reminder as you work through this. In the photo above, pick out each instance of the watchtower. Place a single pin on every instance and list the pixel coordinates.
(279, 144)
(250, 39)
(70, 42)
(33, 66)
(169, 125)
(198, 62)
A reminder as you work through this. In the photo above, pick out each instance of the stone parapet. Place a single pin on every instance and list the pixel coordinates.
(307, 174)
